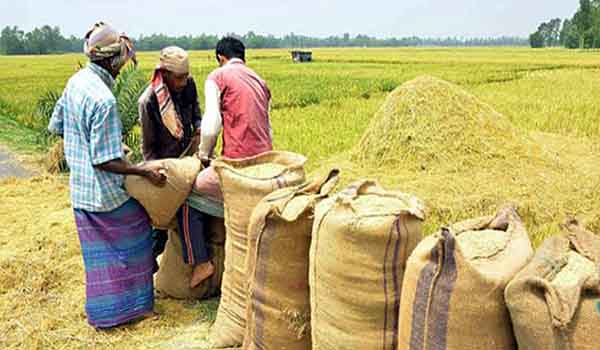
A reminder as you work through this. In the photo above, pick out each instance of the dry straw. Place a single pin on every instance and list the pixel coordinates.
(434, 139)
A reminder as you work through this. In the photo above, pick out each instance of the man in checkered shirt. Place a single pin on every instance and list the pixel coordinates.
(114, 229)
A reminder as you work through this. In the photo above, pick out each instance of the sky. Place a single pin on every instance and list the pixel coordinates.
(321, 18)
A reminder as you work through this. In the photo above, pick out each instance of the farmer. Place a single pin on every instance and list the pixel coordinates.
(170, 119)
(237, 103)
(114, 230)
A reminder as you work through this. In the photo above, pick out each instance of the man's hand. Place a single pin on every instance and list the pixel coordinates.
(195, 142)
(119, 166)
(203, 159)
(155, 176)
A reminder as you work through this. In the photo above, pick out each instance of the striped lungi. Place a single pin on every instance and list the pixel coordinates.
(117, 254)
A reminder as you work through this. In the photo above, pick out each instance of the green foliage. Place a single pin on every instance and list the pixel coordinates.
(128, 88)
(44, 109)
(547, 35)
(581, 31)
(48, 39)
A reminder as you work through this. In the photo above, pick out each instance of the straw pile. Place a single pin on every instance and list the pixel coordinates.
(55, 161)
(463, 158)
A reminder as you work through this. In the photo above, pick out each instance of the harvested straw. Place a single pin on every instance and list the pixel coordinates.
(429, 122)
(435, 140)
(42, 290)
(55, 162)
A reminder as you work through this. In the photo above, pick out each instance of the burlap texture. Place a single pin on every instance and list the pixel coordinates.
(241, 194)
(455, 301)
(173, 277)
(162, 203)
(554, 302)
(361, 240)
(279, 236)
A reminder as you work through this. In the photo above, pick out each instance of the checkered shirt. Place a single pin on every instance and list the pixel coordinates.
(87, 117)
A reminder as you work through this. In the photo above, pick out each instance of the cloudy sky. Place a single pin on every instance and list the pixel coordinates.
(381, 18)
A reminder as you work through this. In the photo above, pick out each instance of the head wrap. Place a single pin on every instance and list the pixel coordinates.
(102, 41)
(174, 59)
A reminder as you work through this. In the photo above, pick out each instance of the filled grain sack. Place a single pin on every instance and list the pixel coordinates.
(162, 203)
(361, 240)
(244, 182)
(279, 235)
(173, 276)
(554, 302)
(453, 295)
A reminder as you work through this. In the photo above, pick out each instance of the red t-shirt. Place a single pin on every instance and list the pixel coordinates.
(245, 110)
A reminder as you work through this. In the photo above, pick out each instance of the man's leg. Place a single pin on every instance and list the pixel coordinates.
(192, 228)
(159, 241)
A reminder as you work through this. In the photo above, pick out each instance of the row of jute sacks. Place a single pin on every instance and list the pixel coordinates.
(308, 269)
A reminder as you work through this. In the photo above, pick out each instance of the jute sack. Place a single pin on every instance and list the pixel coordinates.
(162, 203)
(279, 235)
(361, 240)
(244, 183)
(173, 276)
(554, 302)
(453, 295)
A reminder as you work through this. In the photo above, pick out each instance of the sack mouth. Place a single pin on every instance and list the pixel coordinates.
(291, 161)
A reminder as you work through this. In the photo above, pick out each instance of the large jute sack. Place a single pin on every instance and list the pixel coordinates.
(554, 302)
(453, 295)
(279, 235)
(162, 203)
(174, 275)
(244, 183)
(361, 240)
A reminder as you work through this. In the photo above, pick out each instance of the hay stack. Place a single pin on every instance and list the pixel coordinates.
(427, 123)
(435, 140)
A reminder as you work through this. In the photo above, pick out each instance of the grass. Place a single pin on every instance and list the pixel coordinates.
(545, 100)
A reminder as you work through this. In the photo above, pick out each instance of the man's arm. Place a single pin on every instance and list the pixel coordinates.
(148, 129)
(212, 123)
(120, 166)
(106, 151)
(196, 119)
(196, 112)
(56, 125)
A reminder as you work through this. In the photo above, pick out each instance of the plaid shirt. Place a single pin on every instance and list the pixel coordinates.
(86, 115)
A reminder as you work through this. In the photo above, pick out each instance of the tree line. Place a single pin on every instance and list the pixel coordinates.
(582, 31)
(49, 40)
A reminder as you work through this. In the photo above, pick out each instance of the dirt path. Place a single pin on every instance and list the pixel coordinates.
(10, 167)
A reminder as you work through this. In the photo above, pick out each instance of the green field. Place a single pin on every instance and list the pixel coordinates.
(321, 110)
(539, 90)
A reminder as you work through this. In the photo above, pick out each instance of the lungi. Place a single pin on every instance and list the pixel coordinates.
(117, 254)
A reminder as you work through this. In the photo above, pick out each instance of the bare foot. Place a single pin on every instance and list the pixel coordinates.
(201, 272)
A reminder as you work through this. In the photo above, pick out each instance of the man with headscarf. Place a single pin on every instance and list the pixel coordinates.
(114, 229)
(170, 119)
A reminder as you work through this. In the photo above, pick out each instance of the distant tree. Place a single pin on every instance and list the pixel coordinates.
(12, 41)
(583, 21)
(536, 40)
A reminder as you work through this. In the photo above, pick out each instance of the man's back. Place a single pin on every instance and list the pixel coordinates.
(245, 100)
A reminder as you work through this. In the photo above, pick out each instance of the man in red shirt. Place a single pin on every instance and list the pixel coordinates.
(237, 103)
